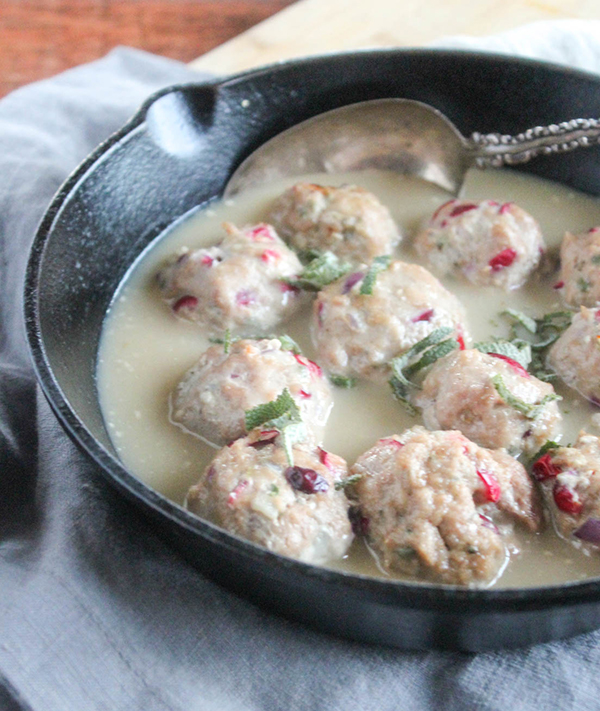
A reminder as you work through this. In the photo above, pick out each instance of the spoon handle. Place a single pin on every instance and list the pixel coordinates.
(493, 150)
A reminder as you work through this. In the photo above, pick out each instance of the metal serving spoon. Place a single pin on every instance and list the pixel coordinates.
(404, 136)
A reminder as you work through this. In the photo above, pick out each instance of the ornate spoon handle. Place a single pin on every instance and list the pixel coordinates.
(493, 150)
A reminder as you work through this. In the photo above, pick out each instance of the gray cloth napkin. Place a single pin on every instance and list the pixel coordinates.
(96, 613)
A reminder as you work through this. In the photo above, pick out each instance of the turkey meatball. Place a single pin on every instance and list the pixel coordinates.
(250, 490)
(575, 356)
(488, 243)
(436, 506)
(348, 221)
(580, 268)
(570, 480)
(240, 284)
(213, 396)
(467, 391)
(357, 334)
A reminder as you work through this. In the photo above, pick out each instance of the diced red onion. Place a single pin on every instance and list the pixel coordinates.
(351, 281)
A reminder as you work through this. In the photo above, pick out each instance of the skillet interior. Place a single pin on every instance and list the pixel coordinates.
(177, 153)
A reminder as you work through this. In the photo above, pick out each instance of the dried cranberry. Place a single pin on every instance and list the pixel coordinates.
(304, 394)
(207, 260)
(490, 485)
(261, 232)
(544, 468)
(270, 256)
(285, 287)
(391, 441)
(517, 367)
(233, 496)
(308, 481)
(351, 281)
(425, 316)
(440, 208)
(245, 297)
(566, 499)
(460, 339)
(325, 458)
(459, 209)
(185, 302)
(505, 207)
(310, 364)
(503, 259)
(359, 523)
(559, 285)
(264, 438)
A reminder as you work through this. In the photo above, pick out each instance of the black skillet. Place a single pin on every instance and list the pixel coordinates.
(178, 152)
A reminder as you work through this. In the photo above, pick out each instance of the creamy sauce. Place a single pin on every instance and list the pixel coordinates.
(144, 350)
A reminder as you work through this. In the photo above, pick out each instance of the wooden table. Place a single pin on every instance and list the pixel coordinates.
(39, 38)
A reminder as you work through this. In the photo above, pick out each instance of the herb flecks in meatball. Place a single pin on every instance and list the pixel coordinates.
(241, 284)
(486, 242)
(213, 397)
(348, 221)
(436, 506)
(491, 399)
(579, 280)
(358, 330)
(250, 490)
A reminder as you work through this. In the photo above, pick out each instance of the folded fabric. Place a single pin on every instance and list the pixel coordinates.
(96, 612)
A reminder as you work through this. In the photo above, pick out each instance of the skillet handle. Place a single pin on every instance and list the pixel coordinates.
(493, 150)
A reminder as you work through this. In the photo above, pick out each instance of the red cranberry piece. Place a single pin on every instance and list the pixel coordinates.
(185, 302)
(566, 499)
(270, 256)
(440, 208)
(490, 485)
(595, 401)
(544, 468)
(488, 523)
(261, 232)
(597, 315)
(234, 495)
(359, 523)
(351, 281)
(311, 365)
(460, 209)
(266, 437)
(504, 208)
(325, 458)
(594, 229)
(207, 260)
(503, 259)
(392, 442)
(559, 285)
(285, 287)
(308, 481)
(460, 339)
(304, 394)
(517, 367)
(425, 316)
(245, 297)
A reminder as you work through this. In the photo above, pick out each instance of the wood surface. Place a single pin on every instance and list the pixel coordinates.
(318, 26)
(39, 38)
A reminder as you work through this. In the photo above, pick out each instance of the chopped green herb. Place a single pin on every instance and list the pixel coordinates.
(320, 271)
(527, 409)
(596, 259)
(518, 350)
(288, 344)
(546, 447)
(282, 414)
(583, 284)
(340, 381)
(273, 490)
(307, 255)
(226, 341)
(430, 356)
(378, 265)
(399, 391)
(348, 481)
(527, 322)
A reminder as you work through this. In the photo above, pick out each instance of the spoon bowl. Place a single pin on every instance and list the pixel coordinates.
(401, 135)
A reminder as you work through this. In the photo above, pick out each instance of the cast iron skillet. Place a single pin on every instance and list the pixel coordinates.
(178, 152)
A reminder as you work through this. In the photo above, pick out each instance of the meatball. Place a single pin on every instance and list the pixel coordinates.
(465, 391)
(250, 490)
(358, 334)
(580, 268)
(575, 356)
(214, 394)
(239, 284)
(570, 480)
(348, 221)
(488, 243)
(437, 506)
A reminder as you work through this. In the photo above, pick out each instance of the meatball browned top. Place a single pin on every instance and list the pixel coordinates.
(348, 221)
(358, 334)
(488, 243)
(435, 505)
(240, 284)
(576, 354)
(485, 396)
(213, 396)
(250, 490)
(580, 268)
(570, 480)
